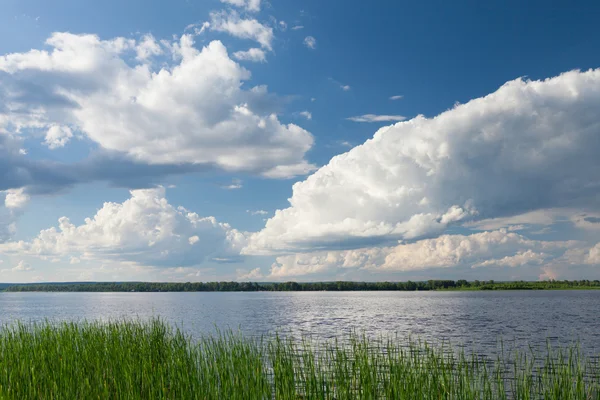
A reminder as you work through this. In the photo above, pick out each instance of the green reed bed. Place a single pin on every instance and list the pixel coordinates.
(151, 360)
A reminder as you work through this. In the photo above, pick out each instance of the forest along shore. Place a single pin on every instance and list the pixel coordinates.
(298, 286)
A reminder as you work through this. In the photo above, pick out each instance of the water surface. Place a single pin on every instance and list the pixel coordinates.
(475, 318)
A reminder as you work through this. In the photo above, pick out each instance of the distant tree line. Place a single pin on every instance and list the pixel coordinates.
(299, 286)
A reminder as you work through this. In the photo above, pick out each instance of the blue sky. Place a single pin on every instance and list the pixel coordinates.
(139, 141)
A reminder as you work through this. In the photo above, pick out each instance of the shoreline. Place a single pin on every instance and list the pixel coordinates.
(338, 286)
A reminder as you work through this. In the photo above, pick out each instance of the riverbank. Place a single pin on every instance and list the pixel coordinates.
(430, 285)
(142, 360)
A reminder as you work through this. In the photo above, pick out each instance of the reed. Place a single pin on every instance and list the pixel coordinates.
(152, 360)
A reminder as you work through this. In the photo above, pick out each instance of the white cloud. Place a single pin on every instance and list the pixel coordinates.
(310, 42)
(593, 256)
(447, 251)
(531, 145)
(249, 5)
(244, 275)
(306, 114)
(282, 25)
(148, 47)
(376, 118)
(22, 266)
(297, 27)
(518, 260)
(289, 171)
(191, 110)
(16, 198)
(257, 212)
(578, 256)
(235, 184)
(58, 136)
(254, 54)
(145, 229)
(230, 22)
(397, 97)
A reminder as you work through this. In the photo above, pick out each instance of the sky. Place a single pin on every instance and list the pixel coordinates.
(272, 141)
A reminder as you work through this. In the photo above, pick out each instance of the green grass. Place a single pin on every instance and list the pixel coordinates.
(150, 360)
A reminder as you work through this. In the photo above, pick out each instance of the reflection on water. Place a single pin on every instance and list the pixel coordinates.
(475, 318)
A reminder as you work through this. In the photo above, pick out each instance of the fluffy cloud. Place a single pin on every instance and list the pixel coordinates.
(235, 184)
(12, 202)
(144, 229)
(193, 111)
(244, 28)
(376, 118)
(249, 5)
(58, 136)
(518, 260)
(531, 145)
(310, 42)
(495, 248)
(254, 54)
(593, 256)
(15, 198)
(22, 266)
(244, 275)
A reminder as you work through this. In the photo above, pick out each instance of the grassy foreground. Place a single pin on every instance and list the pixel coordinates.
(150, 360)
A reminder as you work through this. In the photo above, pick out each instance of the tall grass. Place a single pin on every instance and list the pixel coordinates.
(151, 360)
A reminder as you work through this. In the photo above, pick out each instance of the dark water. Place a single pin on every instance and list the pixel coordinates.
(475, 318)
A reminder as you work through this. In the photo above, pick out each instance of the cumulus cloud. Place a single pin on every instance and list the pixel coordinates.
(58, 136)
(254, 54)
(376, 118)
(145, 229)
(518, 260)
(22, 266)
(310, 42)
(305, 114)
(593, 256)
(531, 145)
(499, 248)
(16, 198)
(12, 203)
(245, 275)
(192, 110)
(148, 47)
(249, 5)
(235, 184)
(244, 28)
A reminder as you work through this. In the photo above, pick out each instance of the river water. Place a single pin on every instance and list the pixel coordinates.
(477, 319)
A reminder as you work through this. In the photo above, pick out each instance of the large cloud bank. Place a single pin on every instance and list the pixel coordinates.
(499, 248)
(528, 146)
(157, 102)
(145, 229)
